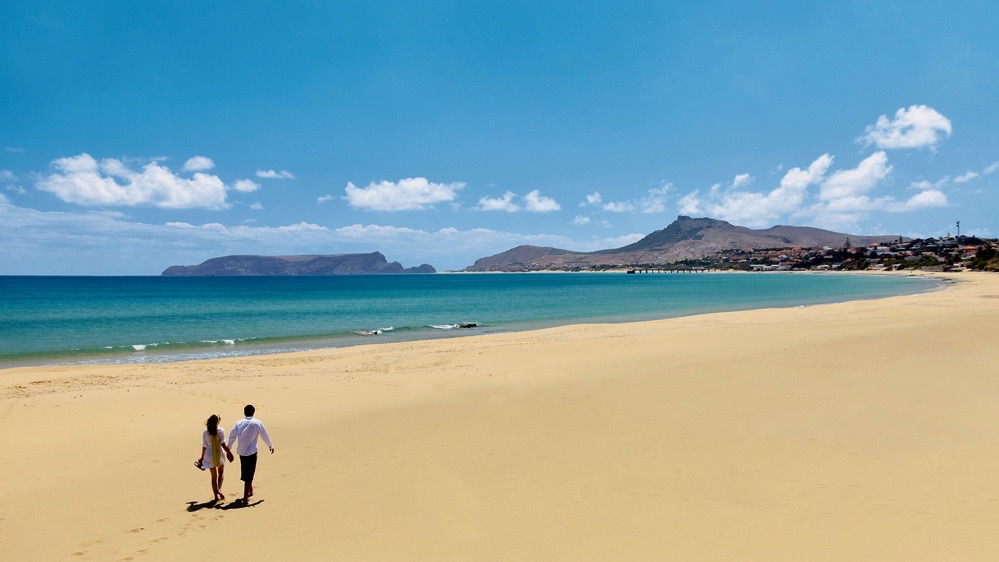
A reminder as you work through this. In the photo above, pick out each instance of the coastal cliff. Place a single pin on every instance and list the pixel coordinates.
(334, 264)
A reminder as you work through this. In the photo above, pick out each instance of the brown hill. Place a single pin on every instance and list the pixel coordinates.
(684, 238)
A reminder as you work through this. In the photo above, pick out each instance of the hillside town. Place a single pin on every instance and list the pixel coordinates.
(952, 253)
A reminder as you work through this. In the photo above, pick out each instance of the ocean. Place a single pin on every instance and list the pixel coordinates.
(79, 320)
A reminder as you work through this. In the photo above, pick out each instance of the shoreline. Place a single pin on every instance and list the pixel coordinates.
(860, 429)
(147, 352)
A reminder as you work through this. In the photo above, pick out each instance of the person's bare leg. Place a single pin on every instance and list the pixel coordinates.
(221, 477)
(215, 481)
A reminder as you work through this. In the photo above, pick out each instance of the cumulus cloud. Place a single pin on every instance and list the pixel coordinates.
(847, 188)
(257, 206)
(580, 220)
(914, 127)
(273, 174)
(655, 199)
(592, 199)
(966, 177)
(7, 176)
(990, 168)
(245, 186)
(921, 200)
(537, 203)
(926, 184)
(534, 202)
(690, 204)
(83, 181)
(619, 206)
(324, 199)
(504, 203)
(198, 164)
(409, 194)
(847, 197)
(741, 180)
(758, 209)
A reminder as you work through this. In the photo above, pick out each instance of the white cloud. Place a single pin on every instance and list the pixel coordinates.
(690, 204)
(7, 176)
(846, 197)
(257, 206)
(377, 231)
(407, 194)
(758, 209)
(16, 189)
(198, 163)
(655, 199)
(81, 180)
(925, 184)
(990, 168)
(921, 200)
(580, 220)
(324, 199)
(273, 174)
(846, 190)
(741, 180)
(258, 233)
(914, 127)
(856, 181)
(12, 149)
(966, 177)
(504, 203)
(245, 186)
(533, 201)
(538, 203)
(619, 206)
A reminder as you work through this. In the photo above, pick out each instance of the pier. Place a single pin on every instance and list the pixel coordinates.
(666, 270)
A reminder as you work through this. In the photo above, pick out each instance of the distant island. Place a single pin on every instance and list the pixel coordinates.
(333, 264)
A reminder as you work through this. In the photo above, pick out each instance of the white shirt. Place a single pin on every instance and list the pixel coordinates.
(206, 442)
(247, 430)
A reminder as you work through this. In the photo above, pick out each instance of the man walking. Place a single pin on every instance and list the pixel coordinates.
(246, 431)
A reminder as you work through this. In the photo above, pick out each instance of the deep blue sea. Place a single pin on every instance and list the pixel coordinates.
(71, 320)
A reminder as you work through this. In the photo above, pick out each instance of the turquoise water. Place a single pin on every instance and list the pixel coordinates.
(55, 320)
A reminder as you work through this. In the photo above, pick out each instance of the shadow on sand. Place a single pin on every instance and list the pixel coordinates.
(240, 504)
(195, 506)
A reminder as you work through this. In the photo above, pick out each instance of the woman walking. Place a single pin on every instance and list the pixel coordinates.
(212, 445)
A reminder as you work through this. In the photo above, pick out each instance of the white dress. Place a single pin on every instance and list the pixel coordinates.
(206, 442)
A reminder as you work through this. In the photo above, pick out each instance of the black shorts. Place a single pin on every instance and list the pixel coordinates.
(247, 467)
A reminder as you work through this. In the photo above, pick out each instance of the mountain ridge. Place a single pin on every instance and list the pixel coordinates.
(684, 238)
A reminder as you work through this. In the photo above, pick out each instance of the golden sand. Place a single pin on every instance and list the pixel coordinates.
(866, 430)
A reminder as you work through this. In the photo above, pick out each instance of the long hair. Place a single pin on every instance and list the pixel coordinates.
(213, 424)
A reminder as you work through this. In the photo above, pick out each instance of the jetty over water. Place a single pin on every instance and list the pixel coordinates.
(667, 269)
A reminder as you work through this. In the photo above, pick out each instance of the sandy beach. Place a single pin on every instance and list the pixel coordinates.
(864, 430)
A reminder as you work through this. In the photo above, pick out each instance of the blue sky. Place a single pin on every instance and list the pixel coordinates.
(135, 136)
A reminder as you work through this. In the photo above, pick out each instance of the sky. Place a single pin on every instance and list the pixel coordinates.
(139, 135)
